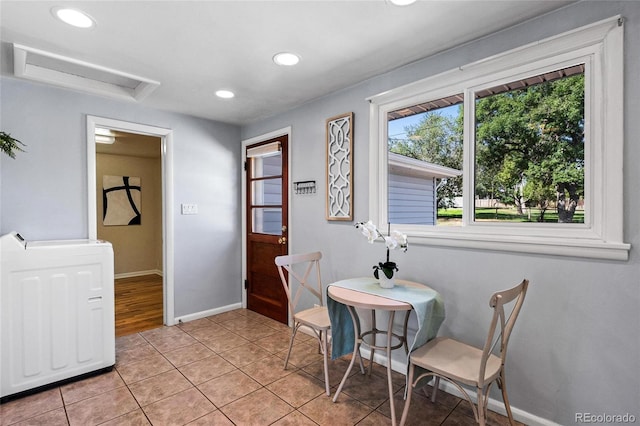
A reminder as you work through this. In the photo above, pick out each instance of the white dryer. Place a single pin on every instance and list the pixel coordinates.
(57, 318)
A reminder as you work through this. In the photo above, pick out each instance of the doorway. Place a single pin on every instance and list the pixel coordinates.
(266, 212)
(164, 225)
(129, 209)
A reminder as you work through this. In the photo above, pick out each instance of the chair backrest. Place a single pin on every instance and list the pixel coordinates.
(506, 321)
(287, 263)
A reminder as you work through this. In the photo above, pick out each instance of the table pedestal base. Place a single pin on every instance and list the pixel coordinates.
(360, 338)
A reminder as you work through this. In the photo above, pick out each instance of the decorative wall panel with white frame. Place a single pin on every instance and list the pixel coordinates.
(340, 167)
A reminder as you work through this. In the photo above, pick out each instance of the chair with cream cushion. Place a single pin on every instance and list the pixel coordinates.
(463, 364)
(316, 318)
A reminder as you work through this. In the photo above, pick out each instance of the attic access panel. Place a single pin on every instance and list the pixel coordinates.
(39, 65)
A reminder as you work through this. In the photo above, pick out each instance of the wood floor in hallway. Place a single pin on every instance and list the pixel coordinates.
(138, 304)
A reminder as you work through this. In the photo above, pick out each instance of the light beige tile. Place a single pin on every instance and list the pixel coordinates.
(134, 418)
(398, 379)
(276, 325)
(135, 353)
(275, 342)
(129, 341)
(376, 419)
(337, 370)
(228, 388)
(57, 417)
(216, 418)
(258, 408)
(161, 332)
(421, 411)
(260, 392)
(245, 354)
(240, 322)
(302, 355)
(188, 354)
(148, 367)
(159, 387)
(268, 370)
(297, 389)
(224, 342)
(92, 386)
(164, 343)
(210, 332)
(193, 325)
(295, 418)
(179, 409)
(206, 369)
(346, 411)
(225, 316)
(30, 406)
(101, 408)
(372, 390)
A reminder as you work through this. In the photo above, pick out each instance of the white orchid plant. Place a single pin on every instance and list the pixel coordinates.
(393, 240)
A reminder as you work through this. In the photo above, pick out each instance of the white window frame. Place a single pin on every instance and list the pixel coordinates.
(600, 47)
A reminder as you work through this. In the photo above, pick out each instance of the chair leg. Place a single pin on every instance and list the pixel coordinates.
(436, 386)
(482, 412)
(407, 402)
(502, 384)
(293, 335)
(326, 362)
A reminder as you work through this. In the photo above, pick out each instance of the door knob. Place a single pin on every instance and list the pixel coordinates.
(282, 240)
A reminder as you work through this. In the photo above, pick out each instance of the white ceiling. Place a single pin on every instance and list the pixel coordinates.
(194, 48)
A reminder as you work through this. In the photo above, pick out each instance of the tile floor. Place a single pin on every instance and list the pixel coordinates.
(227, 369)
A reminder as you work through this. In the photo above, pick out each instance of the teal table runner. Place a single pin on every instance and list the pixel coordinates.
(426, 302)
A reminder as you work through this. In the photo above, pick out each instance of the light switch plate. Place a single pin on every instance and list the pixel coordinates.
(189, 208)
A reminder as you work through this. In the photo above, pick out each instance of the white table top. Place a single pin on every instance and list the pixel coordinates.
(364, 300)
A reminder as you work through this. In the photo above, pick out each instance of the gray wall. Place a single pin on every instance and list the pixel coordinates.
(44, 191)
(577, 345)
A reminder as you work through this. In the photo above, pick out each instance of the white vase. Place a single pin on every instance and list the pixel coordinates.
(386, 282)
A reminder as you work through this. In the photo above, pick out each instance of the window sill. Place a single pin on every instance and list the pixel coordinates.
(575, 247)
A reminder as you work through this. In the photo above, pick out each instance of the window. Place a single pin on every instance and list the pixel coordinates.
(529, 149)
(518, 152)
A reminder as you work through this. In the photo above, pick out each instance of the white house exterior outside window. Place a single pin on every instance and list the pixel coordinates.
(598, 50)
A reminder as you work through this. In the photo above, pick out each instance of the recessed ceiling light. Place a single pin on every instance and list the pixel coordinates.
(286, 59)
(73, 17)
(402, 2)
(225, 94)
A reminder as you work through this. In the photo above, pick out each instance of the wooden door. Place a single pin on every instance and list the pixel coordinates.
(267, 225)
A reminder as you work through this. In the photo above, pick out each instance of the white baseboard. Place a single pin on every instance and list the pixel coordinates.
(207, 313)
(138, 273)
(494, 404)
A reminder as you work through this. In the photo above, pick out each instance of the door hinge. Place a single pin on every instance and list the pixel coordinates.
(246, 284)
(245, 166)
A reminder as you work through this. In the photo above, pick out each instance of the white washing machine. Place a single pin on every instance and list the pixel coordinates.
(57, 318)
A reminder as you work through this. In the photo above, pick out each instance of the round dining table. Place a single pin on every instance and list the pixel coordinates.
(353, 299)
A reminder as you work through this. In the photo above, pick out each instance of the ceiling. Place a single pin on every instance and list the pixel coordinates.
(194, 48)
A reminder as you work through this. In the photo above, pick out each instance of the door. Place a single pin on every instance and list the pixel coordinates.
(267, 225)
(94, 187)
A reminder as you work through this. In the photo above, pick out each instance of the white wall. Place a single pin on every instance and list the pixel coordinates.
(576, 347)
(44, 190)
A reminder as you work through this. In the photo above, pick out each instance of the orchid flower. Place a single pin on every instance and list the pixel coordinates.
(394, 240)
(391, 243)
(400, 239)
(369, 230)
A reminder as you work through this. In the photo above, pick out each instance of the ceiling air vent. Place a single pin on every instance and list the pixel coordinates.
(47, 67)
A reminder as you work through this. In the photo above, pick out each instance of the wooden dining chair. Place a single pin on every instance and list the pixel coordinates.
(316, 318)
(463, 364)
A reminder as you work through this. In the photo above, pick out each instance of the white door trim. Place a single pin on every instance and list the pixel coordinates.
(166, 136)
(281, 132)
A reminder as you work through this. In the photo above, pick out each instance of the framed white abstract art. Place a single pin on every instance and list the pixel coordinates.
(121, 200)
